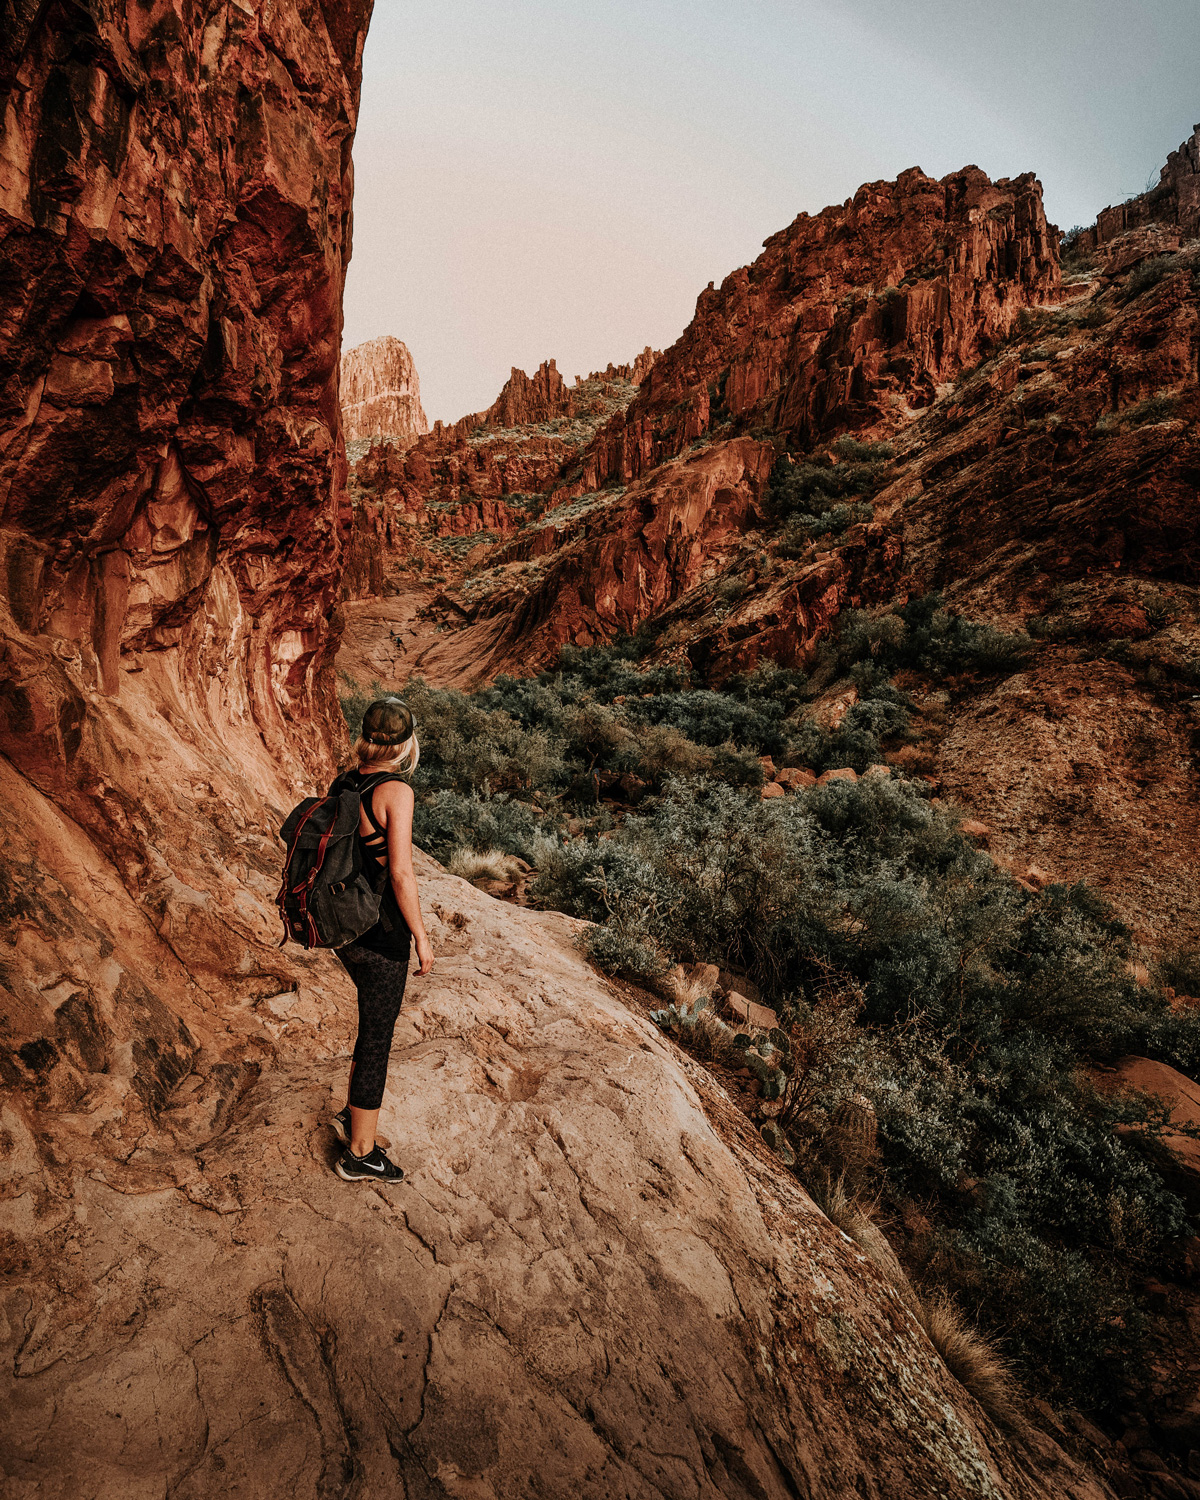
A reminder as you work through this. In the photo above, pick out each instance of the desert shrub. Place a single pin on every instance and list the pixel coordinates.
(1094, 315)
(882, 712)
(466, 747)
(1180, 968)
(1146, 275)
(712, 718)
(864, 453)
(449, 820)
(1152, 409)
(769, 684)
(805, 528)
(938, 640)
(811, 487)
(977, 1002)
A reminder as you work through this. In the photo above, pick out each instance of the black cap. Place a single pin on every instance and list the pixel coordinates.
(387, 721)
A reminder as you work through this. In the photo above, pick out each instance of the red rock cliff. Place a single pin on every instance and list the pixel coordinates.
(863, 307)
(174, 229)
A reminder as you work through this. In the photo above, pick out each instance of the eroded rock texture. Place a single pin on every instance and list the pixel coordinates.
(851, 320)
(381, 394)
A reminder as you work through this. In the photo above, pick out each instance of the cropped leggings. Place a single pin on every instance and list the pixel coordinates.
(380, 982)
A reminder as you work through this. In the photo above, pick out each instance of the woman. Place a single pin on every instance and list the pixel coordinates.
(378, 961)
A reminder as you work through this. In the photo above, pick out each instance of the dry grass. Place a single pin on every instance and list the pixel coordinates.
(971, 1358)
(480, 864)
(713, 1038)
(969, 1355)
(683, 989)
(843, 1207)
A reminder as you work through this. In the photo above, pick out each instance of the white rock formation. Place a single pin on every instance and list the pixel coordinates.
(381, 394)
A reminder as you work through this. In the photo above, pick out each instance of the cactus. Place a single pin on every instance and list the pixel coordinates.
(780, 1040)
(854, 1120)
(743, 1041)
(679, 1017)
(775, 1138)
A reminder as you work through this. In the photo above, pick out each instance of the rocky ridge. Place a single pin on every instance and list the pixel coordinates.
(1043, 476)
(850, 320)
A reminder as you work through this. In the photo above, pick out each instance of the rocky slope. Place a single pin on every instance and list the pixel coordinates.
(381, 394)
(596, 1280)
(1043, 474)
(849, 320)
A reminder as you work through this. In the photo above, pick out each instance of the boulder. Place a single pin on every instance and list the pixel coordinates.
(750, 1012)
(771, 789)
(878, 772)
(843, 774)
(974, 829)
(1177, 1091)
(795, 777)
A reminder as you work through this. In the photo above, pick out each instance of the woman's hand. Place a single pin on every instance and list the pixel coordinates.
(424, 954)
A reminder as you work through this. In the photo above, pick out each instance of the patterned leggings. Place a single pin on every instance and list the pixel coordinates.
(380, 982)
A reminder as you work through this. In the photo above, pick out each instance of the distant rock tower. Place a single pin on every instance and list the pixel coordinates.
(381, 395)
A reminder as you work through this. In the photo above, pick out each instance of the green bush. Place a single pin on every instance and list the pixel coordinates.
(467, 747)
(980, 1001)
(1146, 275)
(449, 820)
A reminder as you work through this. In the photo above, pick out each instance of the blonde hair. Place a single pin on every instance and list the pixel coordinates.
(402, 758)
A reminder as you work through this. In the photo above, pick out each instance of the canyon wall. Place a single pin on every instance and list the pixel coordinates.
(849, 322)
(174, 230)
(381, 394)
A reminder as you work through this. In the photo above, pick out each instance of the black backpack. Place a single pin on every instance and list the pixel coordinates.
(328, 898)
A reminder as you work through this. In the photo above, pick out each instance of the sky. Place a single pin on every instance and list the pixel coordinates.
(558, 179)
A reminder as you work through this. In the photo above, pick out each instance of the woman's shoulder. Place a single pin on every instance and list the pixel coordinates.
(396, 792)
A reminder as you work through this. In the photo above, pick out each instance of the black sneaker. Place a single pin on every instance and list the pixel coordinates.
(374, 1167)
(340, 1125)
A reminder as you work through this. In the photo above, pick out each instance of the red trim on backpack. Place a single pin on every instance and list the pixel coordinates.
(283, 890)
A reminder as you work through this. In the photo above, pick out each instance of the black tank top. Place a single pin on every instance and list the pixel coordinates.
(373, 849)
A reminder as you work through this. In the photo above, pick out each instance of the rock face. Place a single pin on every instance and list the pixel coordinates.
(175, 213)
(381, 394)
(595, 1281)
(845, 316)
(523, 401)
(1175, 201)
(850, 320)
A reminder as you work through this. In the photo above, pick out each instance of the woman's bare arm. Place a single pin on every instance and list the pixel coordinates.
(395, 801)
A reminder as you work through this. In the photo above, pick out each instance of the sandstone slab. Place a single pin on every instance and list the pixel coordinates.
(595, 1280)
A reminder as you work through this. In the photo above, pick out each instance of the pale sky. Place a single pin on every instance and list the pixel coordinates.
(561, 178)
